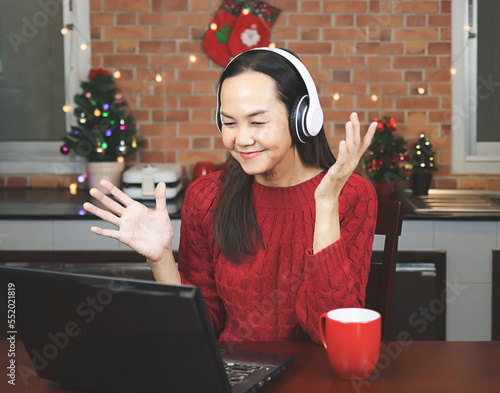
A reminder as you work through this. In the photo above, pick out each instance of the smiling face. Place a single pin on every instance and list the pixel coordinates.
(255, 130)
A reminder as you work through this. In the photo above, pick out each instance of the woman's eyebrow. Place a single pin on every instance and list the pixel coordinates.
(256, 113)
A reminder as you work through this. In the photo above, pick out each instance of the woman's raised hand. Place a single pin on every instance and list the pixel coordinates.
(327, 224)
(350, 152)
(149, 232)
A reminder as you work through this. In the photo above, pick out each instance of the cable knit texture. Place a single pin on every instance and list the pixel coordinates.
(280, 293)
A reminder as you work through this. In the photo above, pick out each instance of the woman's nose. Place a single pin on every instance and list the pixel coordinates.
(245, 136)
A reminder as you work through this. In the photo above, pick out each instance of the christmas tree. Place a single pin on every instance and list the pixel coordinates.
(386, 159)
(104, 131)
(423, 156)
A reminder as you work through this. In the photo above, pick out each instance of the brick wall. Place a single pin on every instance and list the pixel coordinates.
(355, 48)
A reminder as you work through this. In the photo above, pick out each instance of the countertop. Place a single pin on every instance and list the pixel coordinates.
(414, 207)
(59, 204)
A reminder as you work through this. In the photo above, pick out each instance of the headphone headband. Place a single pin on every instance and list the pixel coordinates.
(307, 118)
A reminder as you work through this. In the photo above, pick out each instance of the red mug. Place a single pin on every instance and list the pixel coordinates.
(202, 168)
(352, 338)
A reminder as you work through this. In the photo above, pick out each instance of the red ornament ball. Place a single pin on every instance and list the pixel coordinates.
(65, 149)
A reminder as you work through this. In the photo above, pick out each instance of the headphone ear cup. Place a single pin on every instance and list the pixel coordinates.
(218, 118)
(297, 121)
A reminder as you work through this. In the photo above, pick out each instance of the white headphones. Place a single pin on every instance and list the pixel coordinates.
(306, 116)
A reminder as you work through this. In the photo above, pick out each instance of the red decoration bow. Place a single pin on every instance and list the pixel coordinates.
(93, 73)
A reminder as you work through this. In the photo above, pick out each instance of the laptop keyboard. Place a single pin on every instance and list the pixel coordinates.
(238, 372)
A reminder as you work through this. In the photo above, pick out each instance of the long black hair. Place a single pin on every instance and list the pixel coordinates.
(234, 224)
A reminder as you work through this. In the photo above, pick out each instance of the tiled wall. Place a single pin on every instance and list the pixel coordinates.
(355, 48)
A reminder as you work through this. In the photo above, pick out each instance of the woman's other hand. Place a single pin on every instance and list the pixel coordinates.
(327, 224)
(350, 152)
(149, 232)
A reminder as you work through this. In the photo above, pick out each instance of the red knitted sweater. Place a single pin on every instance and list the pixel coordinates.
(279, 293)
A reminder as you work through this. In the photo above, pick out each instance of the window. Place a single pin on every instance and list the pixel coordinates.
(476, 86)
(40, 70)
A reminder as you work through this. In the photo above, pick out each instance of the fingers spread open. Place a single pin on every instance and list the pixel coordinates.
(118, 194)
(106, 232)
(161, 197)
(349, 136)
(369, 135)
(104, 214)
(356, 128)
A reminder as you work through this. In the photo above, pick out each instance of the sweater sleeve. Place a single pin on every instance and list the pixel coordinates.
(196, 248)
(336, 276)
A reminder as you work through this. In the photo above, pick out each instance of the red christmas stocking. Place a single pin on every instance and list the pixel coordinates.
(253, 27)
(215, 41)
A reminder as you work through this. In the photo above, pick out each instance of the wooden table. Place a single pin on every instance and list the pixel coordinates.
(407, 367)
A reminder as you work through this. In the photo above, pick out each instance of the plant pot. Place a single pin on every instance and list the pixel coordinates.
(421, 182)
(385, 188)
(111, 171)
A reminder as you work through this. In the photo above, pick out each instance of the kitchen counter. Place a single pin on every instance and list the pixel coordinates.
(58, 204)
(460, 205)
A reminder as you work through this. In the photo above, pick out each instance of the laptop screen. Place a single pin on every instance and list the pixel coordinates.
(111, 334)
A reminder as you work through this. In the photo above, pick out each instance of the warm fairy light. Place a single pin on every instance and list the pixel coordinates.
(84, 47)
(117, 74)
(374, 97)
(158, 77)
(134, 143)
(453, 71)
(421, 90)
(192, 59)
(272, 45)
(467, 28)
(213, 26)
(120, 159)
(245, 11)
(64, 30)
(97, 113)
(336, 96)
(73, 188)
(66, 108)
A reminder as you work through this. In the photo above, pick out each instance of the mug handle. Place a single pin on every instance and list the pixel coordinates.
(322, 328)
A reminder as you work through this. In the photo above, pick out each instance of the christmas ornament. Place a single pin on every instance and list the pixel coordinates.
(215, 41)
(118, 99)
(65, 149)
(121, 149)
(252, 29)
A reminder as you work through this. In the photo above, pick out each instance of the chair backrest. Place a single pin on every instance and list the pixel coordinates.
(380, 287)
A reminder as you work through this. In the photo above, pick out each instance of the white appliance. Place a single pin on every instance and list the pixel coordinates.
(139, 182)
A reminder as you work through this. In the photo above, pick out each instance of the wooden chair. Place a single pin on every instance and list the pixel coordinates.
(380, 287)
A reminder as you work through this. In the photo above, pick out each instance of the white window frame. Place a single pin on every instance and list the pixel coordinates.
(468, 156)
(18, 157)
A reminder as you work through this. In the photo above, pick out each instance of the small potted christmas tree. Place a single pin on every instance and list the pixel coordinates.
(423, 164)
(104, 133)
(386, 161)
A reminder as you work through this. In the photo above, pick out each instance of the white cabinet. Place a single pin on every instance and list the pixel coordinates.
(468, 246)
(62, 235)
(26, 235)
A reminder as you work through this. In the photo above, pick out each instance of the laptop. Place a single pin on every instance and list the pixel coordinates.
(111, 334)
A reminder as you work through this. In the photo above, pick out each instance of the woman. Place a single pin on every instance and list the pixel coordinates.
(283, 234)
